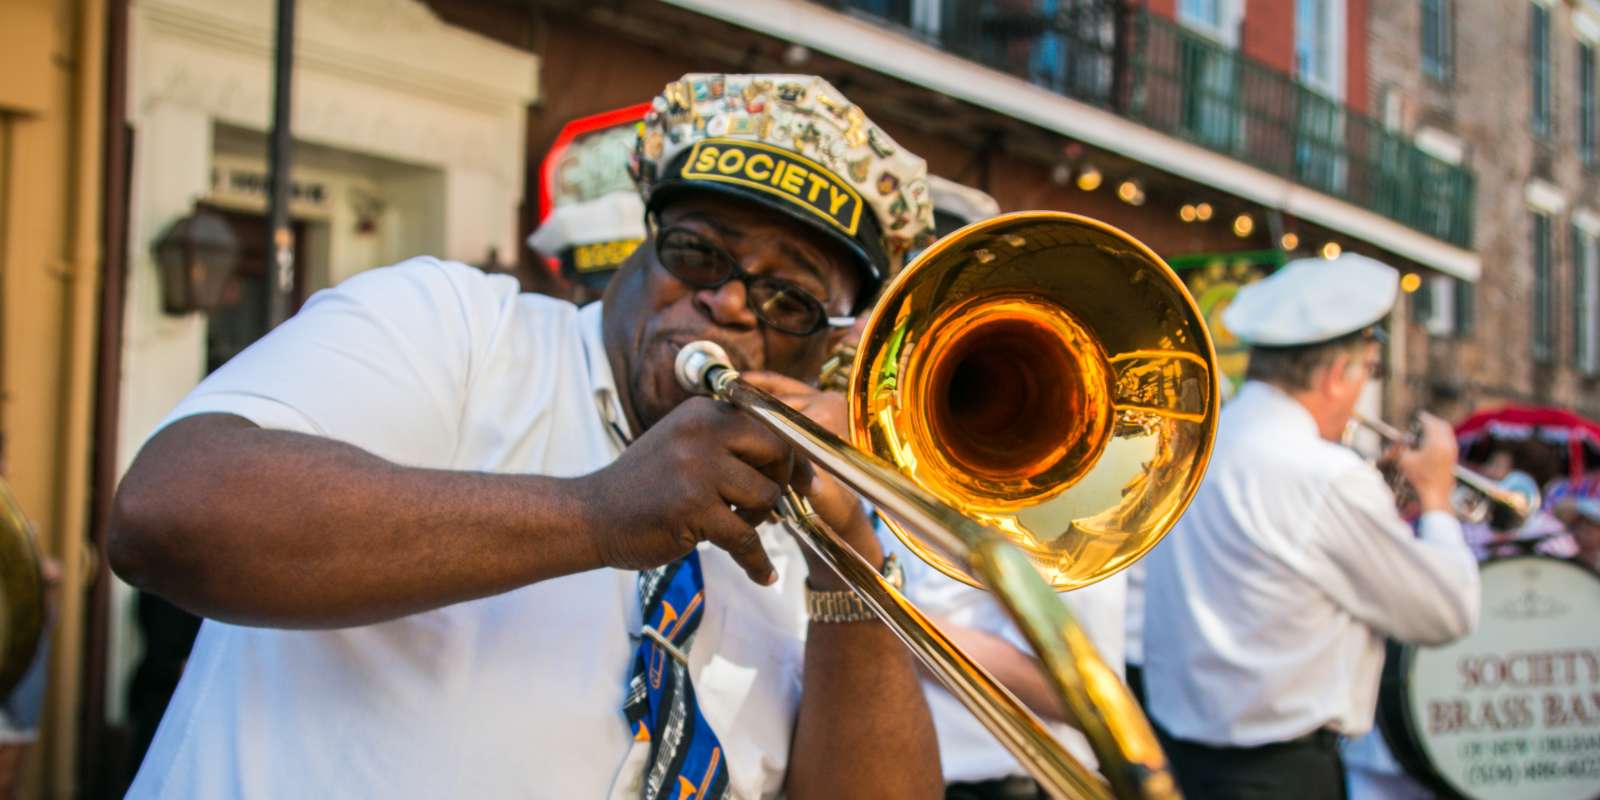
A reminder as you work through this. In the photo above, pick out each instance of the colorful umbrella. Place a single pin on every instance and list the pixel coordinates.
(1556, 426)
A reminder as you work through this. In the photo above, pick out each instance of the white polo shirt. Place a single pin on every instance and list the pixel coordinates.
(967, 751)
(435, 364)
(1267, 605)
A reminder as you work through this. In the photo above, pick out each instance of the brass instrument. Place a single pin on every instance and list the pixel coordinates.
(1032, 405)
(1477, 496)
(21, 594)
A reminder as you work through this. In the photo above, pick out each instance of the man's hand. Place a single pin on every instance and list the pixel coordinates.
(705, 472)
(837, 505)
(1428, 467)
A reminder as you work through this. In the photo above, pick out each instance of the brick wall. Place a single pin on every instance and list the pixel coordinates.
(1487, 105)
(1268, 34)
(1356, 36)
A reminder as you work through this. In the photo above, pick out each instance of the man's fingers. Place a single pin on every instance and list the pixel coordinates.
(741, 541)
(775, 384)
(750, 490)
(756, 445)
(803, 476)
(749, 437)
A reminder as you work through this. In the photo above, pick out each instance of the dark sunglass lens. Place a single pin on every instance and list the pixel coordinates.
(787, 308)
(691, 258)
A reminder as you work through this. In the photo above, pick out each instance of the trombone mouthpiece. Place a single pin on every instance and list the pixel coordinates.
(695, 364)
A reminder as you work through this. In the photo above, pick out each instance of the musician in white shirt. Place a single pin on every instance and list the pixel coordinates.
(1268, 605)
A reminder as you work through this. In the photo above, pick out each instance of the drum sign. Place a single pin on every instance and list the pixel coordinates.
(1513, 710)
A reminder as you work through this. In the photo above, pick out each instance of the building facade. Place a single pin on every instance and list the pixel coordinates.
(408, 140)
(1229, 135)
(51, 125)
(1526, 119)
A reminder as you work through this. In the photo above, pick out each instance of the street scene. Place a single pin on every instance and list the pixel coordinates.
(800, 398)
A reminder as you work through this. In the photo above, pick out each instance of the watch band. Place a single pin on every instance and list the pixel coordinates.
(846, 605)
(832, 607)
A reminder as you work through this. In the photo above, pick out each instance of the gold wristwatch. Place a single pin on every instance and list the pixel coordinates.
(846, 605)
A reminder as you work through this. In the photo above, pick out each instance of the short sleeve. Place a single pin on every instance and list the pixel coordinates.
(382, 362)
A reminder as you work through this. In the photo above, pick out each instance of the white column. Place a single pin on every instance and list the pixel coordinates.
(163, 356)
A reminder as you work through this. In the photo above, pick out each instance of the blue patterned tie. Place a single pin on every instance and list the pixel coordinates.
(686, 760)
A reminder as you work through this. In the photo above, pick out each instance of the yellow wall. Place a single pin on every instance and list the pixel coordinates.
(51, 109)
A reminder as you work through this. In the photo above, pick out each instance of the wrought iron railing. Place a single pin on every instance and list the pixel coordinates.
(1151, 69)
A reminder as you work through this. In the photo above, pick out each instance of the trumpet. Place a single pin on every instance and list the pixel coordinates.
(1032, 405)
(1478, 498)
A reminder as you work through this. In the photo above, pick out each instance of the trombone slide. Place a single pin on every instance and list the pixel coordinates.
(1129, 755)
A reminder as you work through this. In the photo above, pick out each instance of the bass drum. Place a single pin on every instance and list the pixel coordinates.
(21, 594)
(1513, 710)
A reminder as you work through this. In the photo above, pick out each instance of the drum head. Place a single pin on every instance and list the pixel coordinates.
(21, 594)
(1513, 710)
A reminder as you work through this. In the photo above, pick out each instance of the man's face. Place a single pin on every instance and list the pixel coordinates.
(1348, 377)
(650, 315)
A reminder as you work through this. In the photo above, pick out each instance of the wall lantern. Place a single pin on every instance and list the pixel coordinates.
(197, 255)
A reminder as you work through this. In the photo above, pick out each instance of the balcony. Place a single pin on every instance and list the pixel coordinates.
(1161, 74)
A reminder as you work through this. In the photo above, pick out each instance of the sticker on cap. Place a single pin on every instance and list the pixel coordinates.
(778, 172)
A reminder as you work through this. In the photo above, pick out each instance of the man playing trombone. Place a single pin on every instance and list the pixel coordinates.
(1268, 605)
(455, 541)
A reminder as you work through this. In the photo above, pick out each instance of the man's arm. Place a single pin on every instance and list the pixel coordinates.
(264, 527)
(864, 729)
(1418, 587)
(1013, 668)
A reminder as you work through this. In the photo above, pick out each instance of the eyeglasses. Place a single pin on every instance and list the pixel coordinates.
(781, 305)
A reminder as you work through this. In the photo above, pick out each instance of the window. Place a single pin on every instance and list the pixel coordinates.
(1319, 45)
(1586, 104)
(1585, 301)
(1073, 54)
(1435, 307)
(1543, 323)
(1210, 72)
(1438, 38)
(1320, 117)
(1444, 306)
(1216, 17)
(1466, 300)
(898, 11)
(1539, 58)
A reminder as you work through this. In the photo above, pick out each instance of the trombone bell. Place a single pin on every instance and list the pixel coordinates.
(1048, 376)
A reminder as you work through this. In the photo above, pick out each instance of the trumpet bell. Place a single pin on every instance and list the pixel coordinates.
(1049, 376)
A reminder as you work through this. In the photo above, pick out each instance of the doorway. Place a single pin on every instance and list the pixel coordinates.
(242, 319)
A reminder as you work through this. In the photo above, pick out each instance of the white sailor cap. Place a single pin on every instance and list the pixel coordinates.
(959, 205)
(609, 217)
(1312, 300)
(591, 239)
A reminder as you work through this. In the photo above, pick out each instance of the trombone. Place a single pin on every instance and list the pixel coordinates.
(1477, 496)
(1032, 405)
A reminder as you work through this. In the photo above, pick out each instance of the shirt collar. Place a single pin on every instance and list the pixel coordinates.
(1269, 403)
(606, 398)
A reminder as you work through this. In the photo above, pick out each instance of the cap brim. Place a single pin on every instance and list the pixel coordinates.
(595, 279)
(870, 271)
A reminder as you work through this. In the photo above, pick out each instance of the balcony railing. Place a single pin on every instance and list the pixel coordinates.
(1158, 72)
